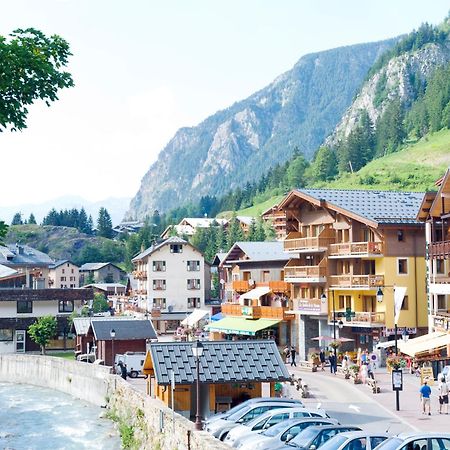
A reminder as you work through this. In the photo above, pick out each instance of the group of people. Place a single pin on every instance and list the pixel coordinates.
(290, 354)
(425, 397)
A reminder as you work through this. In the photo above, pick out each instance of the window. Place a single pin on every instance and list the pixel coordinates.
(6, 334)
(63, 271)
(193, 302)
(418, 444)
(65, 306)
(63, 278)
(345, 301)
(402, 266)
(400, 236)
(159, 266)
(376, 440)
(72, 271)
(266, 276)
(405, 304)
(441, 302)
(193, 266)
(440, 266)
(159, 303)
(358, 443)
(159, 285)
(176, 248)
(24, 306)
(193, 283)
(440, 444)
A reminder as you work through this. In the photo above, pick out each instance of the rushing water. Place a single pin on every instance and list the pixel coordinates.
(38, 418)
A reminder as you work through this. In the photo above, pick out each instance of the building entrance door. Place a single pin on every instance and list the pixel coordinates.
(20, 341)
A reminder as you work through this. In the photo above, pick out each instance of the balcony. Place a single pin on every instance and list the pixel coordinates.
(439, 249)
(356, 249)
(294, 272)
(295, 242)
(240, 285)
(441, 322)
(256, 312)
(360, 319)
(139, 274)
(278, 287)
(356, 281)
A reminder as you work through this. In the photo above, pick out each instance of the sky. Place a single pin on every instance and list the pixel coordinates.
(143, 68)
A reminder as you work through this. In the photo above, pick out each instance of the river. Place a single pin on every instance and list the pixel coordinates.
(39, 418)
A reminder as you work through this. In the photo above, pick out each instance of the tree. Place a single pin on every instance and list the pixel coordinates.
(260, 231)
(251, 237)
(235, 233)
(42, 331)
(3, 231)
(17, 219)
(32, 219)
(31, 66)
(100, 304)
(324, 166)
(104, 224)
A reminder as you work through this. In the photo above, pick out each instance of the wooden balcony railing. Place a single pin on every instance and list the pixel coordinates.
(139, 274)
(293, 269)
(296, 242)
(256, 312)
(361, 318)
(439, 249)
(441, 321)
(240, 286)
(357, 249)
(356, 281)
(279, 287)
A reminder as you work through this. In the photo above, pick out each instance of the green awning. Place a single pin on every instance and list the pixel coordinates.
(240, 325)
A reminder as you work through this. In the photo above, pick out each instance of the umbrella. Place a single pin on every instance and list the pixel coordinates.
(329, 338)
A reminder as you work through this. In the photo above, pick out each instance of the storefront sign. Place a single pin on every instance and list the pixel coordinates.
(397, 380)
(311, 305)
(391, 331)
(426, 374)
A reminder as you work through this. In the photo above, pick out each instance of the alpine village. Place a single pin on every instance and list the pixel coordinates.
(290, 251)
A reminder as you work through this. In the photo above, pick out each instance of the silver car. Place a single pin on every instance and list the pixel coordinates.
(355, 440)
(417, 441)
(284, 431)
(267, 420)
(220, 428)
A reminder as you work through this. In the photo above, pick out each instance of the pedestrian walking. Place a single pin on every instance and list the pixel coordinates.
(364, 372)
(322, 359)
(332, 360)
(425, 393)
(123, 370)
(293, 353)
(443, 396)
(287, 354)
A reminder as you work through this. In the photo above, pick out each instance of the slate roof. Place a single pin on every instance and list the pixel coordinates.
(383, 207)
(22, 255)
(221, 362)
(6, 271)
(258, 251)
(153, 248)
(12, 295)
(60, 263)
(93, 266)
(125, 329)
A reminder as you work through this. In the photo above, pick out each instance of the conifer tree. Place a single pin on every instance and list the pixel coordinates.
(17, 219)
(104, 224)
(32, 219)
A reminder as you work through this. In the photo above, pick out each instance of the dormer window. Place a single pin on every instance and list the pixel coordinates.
(176, 248)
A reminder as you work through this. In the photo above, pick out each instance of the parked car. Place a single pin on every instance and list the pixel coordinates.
(417, 441)
(282, 432)
(267, 420)
(251, 401)
(220, 428)
(314, 437)
(86, 357)
(134, 362)
(355, 440)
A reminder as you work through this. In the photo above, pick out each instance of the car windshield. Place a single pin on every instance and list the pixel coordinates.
(274, 430)
(238, 414)
(390, 444)
(302, 439)
(333, 443)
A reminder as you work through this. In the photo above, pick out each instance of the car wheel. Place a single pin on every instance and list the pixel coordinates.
(133, 374)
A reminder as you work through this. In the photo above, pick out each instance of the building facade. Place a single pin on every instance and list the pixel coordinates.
(101, 273)
(173, 280)
(346, 247)
(64, 275)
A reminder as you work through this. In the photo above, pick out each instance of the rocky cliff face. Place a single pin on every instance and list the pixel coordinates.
(239, 144)
(395, 80)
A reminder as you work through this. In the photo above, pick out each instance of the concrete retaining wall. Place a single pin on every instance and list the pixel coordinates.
(149, 419)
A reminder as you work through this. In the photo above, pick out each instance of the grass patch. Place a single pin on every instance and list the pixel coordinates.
(69, 354)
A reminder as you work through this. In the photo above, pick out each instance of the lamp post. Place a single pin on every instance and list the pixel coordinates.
(323, 297)
(197, 351)
(112, 333)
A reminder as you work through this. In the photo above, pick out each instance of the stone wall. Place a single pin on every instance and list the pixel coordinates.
(152, 424)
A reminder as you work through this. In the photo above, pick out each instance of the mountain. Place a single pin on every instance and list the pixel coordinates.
(298, 109)
(115, 206)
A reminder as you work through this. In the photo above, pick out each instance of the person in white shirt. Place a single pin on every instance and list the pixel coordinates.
(443, 396)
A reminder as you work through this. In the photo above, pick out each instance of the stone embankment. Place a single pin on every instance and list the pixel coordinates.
(144, 422)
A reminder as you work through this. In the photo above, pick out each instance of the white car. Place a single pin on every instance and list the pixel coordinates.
(267, 420)
(220, 428)
(283, 432)
(355, 440)
(417, 441)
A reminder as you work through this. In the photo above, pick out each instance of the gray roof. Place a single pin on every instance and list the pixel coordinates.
(221, 362)
(60, 263)
(125, 329)
(21, 255)
(93, 266)
(81, 325)
(105, 286)
(6, 271)
(259, 251)
(384, 207)
(153, 248)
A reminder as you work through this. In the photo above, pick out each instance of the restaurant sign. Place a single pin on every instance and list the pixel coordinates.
(391, 331)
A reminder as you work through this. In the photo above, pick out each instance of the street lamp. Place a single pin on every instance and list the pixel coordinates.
(323, 297)
(112, 333)
(197, 351)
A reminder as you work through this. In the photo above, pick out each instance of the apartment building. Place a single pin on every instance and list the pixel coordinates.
(277, 219)
(435, 212)
(350, 250)
(173, 280)
(64, 274)
(256, 297)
